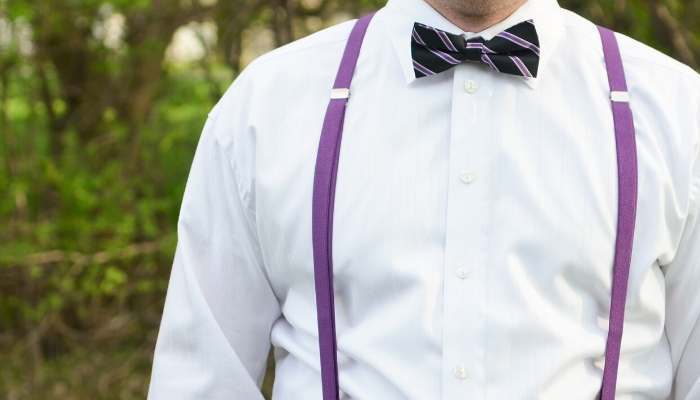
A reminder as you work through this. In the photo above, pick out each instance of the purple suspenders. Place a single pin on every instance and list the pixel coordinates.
(626, 205)
(322, 213)
(324, 193)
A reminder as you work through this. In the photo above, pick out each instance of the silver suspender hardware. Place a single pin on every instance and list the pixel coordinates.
(340, 93)
(620, 97)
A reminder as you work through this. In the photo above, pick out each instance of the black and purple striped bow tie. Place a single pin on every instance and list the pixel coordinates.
(515, 51)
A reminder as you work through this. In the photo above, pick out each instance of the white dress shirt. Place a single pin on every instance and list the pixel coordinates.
(474, 225)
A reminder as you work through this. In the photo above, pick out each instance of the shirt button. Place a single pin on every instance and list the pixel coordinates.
(460, 372)
(467, 177)
(462, 273)
(470, 86)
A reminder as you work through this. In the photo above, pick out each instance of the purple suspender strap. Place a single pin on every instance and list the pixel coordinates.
(324, 193)
(626, 206)
(322, 211)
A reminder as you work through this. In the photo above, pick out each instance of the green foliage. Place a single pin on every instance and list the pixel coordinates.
(96, 140)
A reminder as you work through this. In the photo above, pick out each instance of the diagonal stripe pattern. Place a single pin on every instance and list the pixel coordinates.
(515, 51)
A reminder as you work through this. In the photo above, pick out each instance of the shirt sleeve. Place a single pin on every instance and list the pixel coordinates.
(683, 295)
(215, 331)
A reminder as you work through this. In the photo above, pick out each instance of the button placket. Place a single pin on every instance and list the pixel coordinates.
(464, 243)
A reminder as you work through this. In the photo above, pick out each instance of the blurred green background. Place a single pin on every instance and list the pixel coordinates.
(101, 106)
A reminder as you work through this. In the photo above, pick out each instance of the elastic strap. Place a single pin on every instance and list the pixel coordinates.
(322, 209)
(626, 209)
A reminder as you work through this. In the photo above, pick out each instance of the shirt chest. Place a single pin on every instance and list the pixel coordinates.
(471, 173)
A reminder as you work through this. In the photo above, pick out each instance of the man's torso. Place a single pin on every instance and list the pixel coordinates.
(474, 221)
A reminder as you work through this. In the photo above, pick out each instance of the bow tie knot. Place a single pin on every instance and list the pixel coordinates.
(514, 51)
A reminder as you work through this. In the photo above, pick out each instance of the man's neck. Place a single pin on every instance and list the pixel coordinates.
(475, 18)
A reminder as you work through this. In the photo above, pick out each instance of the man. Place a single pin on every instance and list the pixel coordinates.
(474, 224)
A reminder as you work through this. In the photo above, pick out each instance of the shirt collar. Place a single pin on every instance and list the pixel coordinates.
(401, 14)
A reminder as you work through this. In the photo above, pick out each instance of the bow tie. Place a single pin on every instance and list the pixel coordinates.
(514, 51)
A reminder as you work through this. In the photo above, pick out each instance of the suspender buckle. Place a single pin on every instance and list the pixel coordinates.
(340, 93)
(620, 97)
